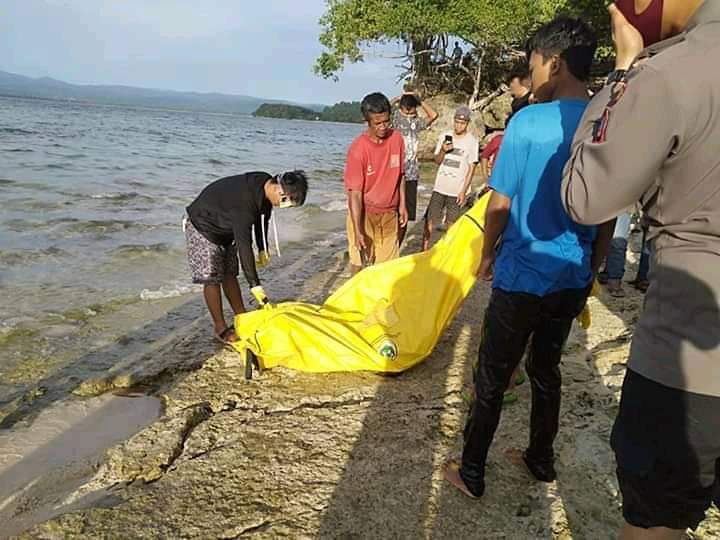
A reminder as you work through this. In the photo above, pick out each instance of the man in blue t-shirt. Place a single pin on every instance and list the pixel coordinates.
(543, 269)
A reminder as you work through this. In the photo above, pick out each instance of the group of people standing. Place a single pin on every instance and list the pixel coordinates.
(561, 172)
(382, 174)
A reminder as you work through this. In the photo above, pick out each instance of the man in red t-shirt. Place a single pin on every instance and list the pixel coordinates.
(375, 182)
(489, 154)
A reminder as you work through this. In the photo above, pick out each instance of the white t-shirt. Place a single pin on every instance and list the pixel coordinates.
(454, 168)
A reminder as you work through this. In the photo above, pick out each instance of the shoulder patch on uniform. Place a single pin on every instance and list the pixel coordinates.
(601, 124)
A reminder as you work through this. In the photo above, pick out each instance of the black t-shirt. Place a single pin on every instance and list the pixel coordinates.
(227, 210)
(519, 102)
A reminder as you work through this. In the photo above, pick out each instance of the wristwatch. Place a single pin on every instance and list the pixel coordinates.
(619, 75)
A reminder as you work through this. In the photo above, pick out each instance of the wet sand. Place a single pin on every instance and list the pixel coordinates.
(350, 455)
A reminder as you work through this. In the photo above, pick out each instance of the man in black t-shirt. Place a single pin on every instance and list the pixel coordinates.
(519, 89)
(219, 227)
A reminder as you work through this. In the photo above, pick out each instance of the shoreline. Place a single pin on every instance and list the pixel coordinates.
(346, 454)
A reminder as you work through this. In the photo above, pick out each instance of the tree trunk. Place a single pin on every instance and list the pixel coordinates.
(421, 47)
(478, 79)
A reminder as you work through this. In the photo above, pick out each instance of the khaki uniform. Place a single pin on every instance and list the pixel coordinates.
(659, 143)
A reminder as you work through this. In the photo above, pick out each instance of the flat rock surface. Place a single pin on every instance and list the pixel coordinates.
(360, 455)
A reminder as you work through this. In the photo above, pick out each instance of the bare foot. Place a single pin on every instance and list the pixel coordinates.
(452, 475)
(226, 336)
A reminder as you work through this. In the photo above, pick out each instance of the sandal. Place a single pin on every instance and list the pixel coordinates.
(222, 336)
(451, 473)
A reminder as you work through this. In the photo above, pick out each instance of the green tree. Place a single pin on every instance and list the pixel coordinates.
(495, 30)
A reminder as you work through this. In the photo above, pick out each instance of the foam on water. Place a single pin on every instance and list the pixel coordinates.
(172, 290)
(335, 206)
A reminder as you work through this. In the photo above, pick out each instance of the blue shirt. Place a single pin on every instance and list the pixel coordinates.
(542, 249)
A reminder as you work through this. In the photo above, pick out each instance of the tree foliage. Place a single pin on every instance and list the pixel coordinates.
(491, 27)
(340, 112)
(281, 110)
(343, 112)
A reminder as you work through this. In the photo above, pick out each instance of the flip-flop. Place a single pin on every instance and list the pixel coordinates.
(467, 394)
(520, 379)
(509, 397)
(451, 473)
(222, 336)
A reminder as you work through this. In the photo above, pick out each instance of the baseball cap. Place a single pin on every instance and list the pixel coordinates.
(463, 113)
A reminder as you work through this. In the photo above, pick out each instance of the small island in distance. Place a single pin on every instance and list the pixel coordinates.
(340, 112)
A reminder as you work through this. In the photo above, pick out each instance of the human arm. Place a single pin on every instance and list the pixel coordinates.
(601, 245)
(485, 168)
(431, 113)
(242, 232)
(357, 214)
(620, 146)
(496, 218)
(505, 182)
(472, 156)
(627, 39)
(442, 148)
(466, 184)
(261, 231)
(354, 179)
(402, 207)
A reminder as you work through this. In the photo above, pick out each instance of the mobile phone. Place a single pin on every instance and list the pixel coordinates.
(448, 139)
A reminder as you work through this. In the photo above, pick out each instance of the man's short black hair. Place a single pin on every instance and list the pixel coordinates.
(572, 39)
(374, 103)
(295, 186)
(408, 101)
(522, 73)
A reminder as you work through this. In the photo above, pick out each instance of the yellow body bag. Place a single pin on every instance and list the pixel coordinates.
(387, 318)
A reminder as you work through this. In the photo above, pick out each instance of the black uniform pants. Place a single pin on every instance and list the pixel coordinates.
(511, 319)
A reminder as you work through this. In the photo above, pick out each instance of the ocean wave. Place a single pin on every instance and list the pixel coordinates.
(329, 174)
(137, 183)
(121, 196)
(213, 161)
(16, 131)
(141, 250)
(335, 206)
(22, 225)
(169, 291)
(19, 150)
(101, 226)
(28, 256)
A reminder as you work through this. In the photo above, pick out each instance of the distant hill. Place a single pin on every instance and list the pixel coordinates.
(340, 112)
(15, 85)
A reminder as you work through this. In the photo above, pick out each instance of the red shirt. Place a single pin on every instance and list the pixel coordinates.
(375, 169)
(491, 150)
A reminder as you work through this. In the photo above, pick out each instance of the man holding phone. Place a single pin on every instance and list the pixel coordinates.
(457, 154)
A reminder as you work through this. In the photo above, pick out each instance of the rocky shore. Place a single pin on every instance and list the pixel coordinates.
(297, 455)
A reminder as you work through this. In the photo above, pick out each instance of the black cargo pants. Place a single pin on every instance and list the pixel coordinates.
(511, 319)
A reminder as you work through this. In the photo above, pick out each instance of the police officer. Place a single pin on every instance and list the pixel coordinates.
(653, 134)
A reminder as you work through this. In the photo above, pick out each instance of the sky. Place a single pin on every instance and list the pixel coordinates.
(264, 49)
